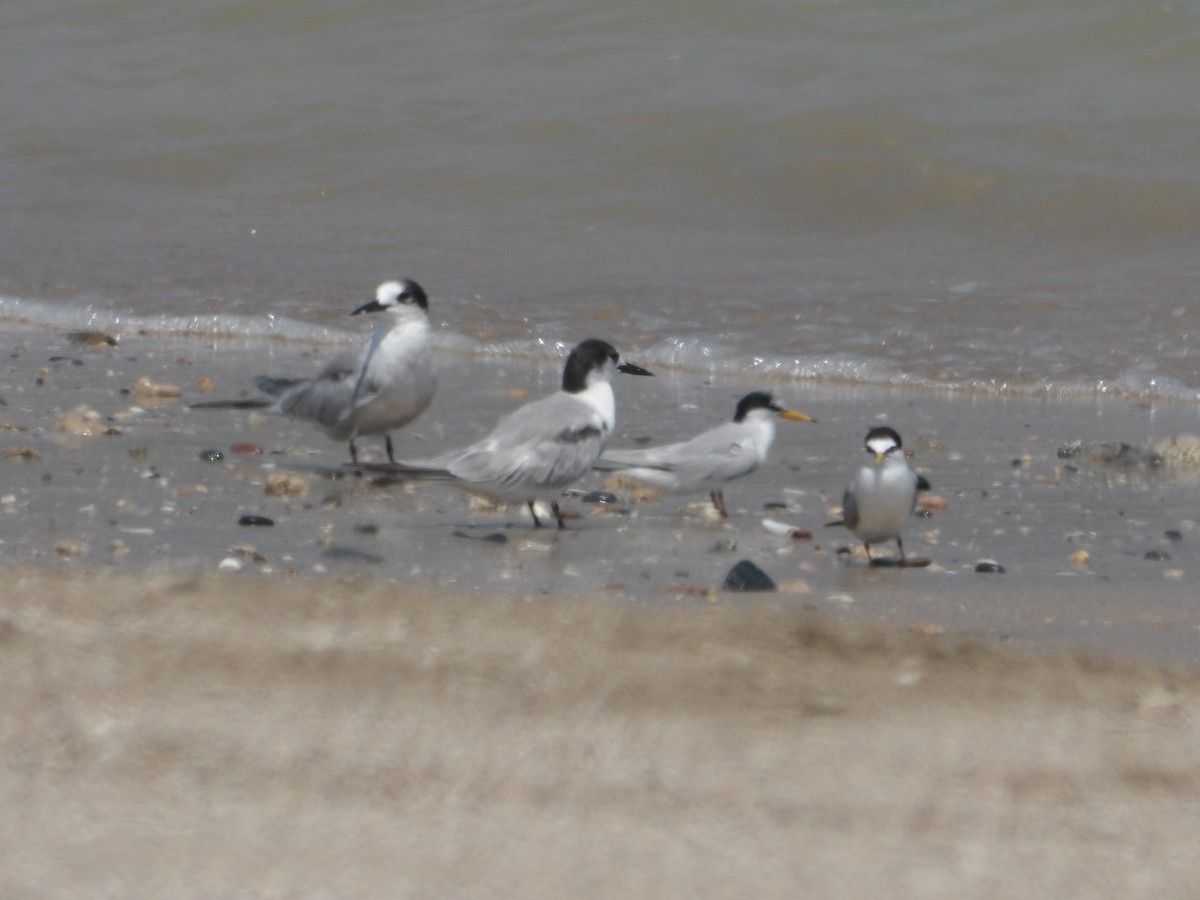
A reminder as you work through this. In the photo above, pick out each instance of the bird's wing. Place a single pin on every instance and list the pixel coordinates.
(849, 509)
(330, 397)
(547, 443)
(721, 454)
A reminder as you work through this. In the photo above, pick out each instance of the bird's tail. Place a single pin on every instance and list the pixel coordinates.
(415, 470)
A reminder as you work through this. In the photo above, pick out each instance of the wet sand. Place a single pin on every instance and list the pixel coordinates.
(99, 476)
(391, 691)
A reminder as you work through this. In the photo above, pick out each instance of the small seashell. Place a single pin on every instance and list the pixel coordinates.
(931, 503)
(795, 586)
(146, 389)
(82, 421)
(286, 484)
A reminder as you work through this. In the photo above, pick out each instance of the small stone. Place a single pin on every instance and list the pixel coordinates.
(493, 537)
(92, 339)
(253, 521)
(1080, 559)
(206, 385)
(25, 454)
(929, 629)
(349, 554)
(783, 529)
(211, 455)
(795, 586)
(369, 528)
(637, 491)
(1156, 556)
(747, 577)
(70, 548)
(247, 552)
(145, 389)
(229, 564)
(989, 567)
(82, 421)
(1173, 534)
(931, 503)
(723, 545)
(286, 484)
(601, 497)
(246, 449)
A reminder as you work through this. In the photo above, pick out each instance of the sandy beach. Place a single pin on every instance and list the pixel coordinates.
(342, 737)
(392, 691)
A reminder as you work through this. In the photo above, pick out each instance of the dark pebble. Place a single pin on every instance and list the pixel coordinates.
(366, 528)
(349, 554)
(92, 338)
(1156, 556)
(746, 577)
(774, 504)
(723, 545)
(989, 568)
(72, 360)
(211, 455)
(1173, 534)
(494, 537)
(255, 521)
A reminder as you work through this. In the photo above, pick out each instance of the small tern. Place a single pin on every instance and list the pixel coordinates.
(373, 388)
(712, 458)
(882, 494)
(537, 450)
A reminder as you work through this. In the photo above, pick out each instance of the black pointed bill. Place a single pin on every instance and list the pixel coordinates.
(631, 369)
(373, 306)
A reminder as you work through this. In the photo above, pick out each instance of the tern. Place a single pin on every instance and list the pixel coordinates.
(711, 459)
(539, 449)
(373, 388)
(882, 494)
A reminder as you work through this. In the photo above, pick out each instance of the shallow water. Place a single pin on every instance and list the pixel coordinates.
(984, 196)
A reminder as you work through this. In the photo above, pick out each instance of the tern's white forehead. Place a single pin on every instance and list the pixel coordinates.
(389, 291)
(881, 443)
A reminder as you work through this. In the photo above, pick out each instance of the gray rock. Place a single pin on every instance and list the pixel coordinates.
(746, 577)
(349, 554)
